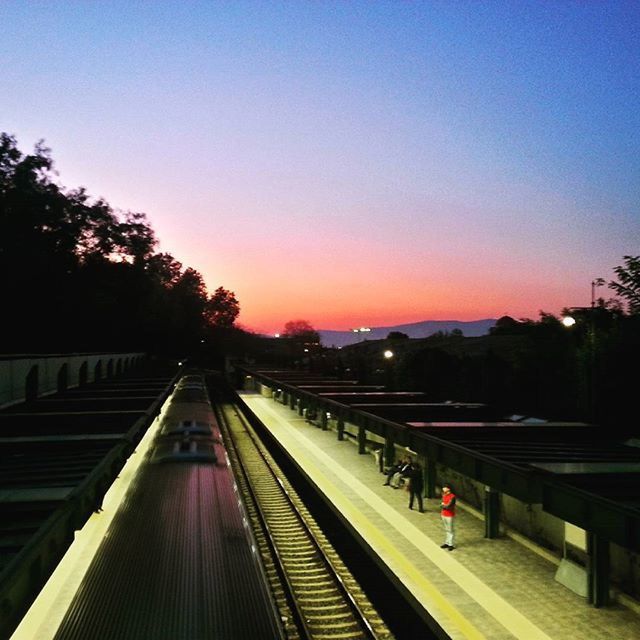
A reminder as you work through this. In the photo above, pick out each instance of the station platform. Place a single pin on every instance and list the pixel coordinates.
(495, 589)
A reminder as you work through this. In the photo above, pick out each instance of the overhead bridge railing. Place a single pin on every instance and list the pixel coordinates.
(30, 376)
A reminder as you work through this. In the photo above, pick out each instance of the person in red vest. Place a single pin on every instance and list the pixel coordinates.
(448, 514)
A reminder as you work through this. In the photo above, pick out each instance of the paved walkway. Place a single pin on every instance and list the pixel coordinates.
(493, 589)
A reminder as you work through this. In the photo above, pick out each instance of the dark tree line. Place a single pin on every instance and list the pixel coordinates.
(79, 276)
(587, 371)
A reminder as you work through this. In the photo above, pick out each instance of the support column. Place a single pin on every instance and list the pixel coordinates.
(598, 570)
(362, 439)
(312, 413)
(422, 461)
(389, 451)
(285, 397)
(430, 477)
(340, 428)
(491, 513)
(292, 401)
(324, 421)
(300, 407)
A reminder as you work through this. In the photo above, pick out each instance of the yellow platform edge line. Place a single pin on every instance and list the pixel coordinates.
(501, 610)
(426, 591)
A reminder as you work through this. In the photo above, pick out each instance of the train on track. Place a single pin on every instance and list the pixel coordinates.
(179, 559)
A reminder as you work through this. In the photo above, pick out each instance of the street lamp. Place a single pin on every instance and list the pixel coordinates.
(388, 369)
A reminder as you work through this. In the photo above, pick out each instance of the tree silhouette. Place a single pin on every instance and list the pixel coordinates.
(301, 331)
(628, 286)
(222, 308)
(78, 275)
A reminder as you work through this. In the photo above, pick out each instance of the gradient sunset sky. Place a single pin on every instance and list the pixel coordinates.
(349, 163)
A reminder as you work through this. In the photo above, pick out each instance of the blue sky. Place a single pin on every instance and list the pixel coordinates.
(349, 163)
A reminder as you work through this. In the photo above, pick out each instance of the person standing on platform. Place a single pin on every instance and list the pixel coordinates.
(416, 485)
(448, 514)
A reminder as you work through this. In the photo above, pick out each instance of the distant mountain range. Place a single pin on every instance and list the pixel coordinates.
(414, 330)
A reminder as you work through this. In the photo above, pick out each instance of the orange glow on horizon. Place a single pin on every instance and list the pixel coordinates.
(334, 306)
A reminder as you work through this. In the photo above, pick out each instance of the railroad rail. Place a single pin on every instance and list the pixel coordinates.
(317, 595)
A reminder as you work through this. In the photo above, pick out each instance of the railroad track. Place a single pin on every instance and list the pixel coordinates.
(316, 594)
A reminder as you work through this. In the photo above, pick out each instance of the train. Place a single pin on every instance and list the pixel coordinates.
(179, 560)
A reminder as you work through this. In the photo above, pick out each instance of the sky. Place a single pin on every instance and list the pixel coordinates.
(349, 163)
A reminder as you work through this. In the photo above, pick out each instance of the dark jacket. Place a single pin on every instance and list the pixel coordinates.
(415, 477)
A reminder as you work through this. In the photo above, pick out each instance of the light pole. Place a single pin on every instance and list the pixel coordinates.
(388, 362)
(595, 283)
(570, 321)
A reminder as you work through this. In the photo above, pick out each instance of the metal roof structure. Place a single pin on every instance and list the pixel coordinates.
(574, 470)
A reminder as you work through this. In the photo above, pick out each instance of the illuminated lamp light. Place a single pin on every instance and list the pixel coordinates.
(388, 354)
(568, 321)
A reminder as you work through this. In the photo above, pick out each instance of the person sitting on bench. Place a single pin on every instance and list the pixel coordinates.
(394, 468)
(402, 473)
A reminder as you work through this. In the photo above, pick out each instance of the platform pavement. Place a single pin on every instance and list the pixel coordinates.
(494, 589)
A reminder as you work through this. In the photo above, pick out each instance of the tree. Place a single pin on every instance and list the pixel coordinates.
(77, 275)
(397, 335)
(164, 269)
(222, 308)
(137, 238)
(190, 293)
(505, 325)
(628, 286)
(301, 331)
